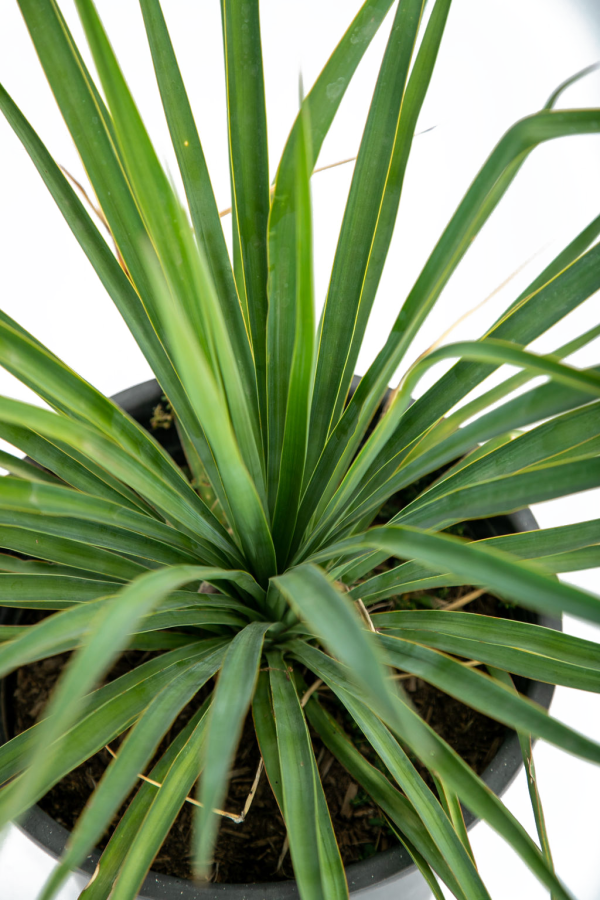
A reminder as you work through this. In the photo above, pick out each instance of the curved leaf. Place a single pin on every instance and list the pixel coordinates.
(116, 460)
(109, 632)
(370, 212)
(488, 349)
(93, 534)
(439, 757)
(175, 787)
(483, 693)
(564, 285)
(196, 180)
(535, 640)
(100, 885)
(107, 712)
(320, 107)
(392, 802)
(55, 500)
(518, 581)
(232, 699)
(134, 754)
(302, 810)
(249, 164)
(544, 546)
(69, 553)
(23, 469)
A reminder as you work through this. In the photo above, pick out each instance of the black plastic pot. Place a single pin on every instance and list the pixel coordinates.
(387, 875)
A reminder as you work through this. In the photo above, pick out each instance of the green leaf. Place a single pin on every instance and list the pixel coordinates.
(68, 552)
(106, 265)
(532, 786)
(94, 137)
(540, 644)
(213, 496)
(446, 428)
(368, 221)
(563, 433)
(162, 640)
(488, 349)
(248, 159)
(44, 590)
(109, 633)
(238, 265)
(266, 734)
(481, 692)
(133, 756)
(554, 96)
(142, 640)
(320, 105)
(440, 758)
(70, 394)
(199, 193)
(33, 591)
(100, 885)
(420, 796)
(116, 460)
(150, 186)
(333, 876)
(69, 628)
(88, 125)
(50, 635)
(93, 534)
(23, 469)
(394, 804)
(58, 501)
(505, 494)
(177, 618)
(169, 798)
(182, 262)
(574, 561)
(247, 507)
(232, 699)
(53, 510)
(339, 454)
(562, 287)
(411, 106)
(544, 546)
(334, 618)
(515, 580)
(72, 467)
(475, 208)
(421, 865)
(544, 303)
(20, 566)
(290, 466)
(451, 805)
(302, 810)
(436, 449)
(107, 712)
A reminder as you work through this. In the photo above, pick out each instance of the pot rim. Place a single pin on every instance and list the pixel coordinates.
(389, 866)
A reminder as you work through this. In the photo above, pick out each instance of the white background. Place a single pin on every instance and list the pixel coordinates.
(500, 60)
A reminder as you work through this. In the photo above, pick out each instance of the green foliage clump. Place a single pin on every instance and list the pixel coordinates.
(283, 509)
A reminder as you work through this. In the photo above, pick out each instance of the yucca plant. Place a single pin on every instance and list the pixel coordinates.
(117, 545)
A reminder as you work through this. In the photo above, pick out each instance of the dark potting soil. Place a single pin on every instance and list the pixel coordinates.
(252, 851)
